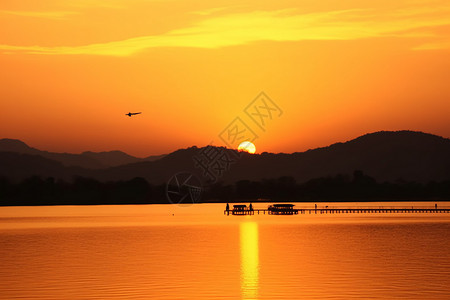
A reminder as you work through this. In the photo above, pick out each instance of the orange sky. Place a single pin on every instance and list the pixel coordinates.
(71, 69)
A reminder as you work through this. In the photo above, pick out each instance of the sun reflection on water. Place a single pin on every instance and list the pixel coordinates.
(249, 260)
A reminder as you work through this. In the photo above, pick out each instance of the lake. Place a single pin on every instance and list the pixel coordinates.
(197, 252)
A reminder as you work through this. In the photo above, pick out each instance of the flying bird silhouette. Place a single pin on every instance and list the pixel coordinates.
(132, 114)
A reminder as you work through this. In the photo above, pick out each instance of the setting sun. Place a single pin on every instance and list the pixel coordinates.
(247, 147)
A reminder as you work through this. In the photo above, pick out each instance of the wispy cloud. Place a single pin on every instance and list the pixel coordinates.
(209, 11)
(434, 46)
(108, 4)
(281, 25)
(56, 15)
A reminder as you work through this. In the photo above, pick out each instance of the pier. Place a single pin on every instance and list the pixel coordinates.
(288, 209)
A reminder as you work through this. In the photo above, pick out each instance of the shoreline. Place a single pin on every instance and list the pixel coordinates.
(254, 202)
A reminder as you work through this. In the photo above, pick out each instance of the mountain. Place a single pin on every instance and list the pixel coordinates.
(111, 158)
(88, 159)
(18, 166)
(118, 158)
(385, 156)
(67, 159)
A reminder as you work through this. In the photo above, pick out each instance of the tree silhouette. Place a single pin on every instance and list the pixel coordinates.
(88, 191)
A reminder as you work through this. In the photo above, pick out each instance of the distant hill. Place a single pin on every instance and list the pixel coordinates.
(66, 159)
(20, 166)
(385, 156)
(88, 159)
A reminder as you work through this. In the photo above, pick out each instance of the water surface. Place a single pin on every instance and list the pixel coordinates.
(196, 252)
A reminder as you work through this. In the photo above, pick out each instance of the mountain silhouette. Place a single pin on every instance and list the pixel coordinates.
(385, 156)
(117, 158)
(88, 159)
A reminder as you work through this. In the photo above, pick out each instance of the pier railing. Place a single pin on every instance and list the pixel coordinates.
(340, 210)
(376, 207)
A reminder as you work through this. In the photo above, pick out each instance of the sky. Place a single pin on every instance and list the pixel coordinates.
(329, 71)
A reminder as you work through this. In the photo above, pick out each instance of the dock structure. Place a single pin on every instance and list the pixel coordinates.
(288, 209)
(282, 209)
(241, 210)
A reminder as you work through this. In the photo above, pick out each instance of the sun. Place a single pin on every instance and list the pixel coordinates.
(247, 146)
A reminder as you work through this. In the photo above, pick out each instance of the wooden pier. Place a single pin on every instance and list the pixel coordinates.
(288, 209)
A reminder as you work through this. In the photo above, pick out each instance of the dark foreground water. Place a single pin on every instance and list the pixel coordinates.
(195, 252)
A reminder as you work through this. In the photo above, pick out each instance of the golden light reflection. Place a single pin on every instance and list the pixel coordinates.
(249, 260)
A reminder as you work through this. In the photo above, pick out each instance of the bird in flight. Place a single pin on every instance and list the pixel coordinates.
(132, 114)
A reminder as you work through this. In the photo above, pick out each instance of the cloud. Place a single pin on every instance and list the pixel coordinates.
(434, 46)
(280, 25)
(56, 15)
(209, 11)
(108, 4)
